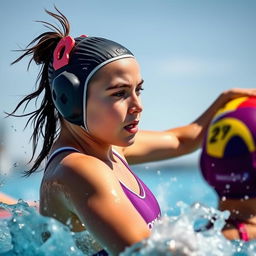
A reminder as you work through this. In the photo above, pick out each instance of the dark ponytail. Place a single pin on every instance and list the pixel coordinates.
(44, 119)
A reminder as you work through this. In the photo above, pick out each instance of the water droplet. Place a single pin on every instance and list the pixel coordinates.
(223, 198)
(21, 225)
(246, 197)
(227, 186)
(197, 205)
(172, 244)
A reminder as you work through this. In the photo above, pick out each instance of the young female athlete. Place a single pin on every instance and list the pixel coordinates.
(228, 164)
(89, 119)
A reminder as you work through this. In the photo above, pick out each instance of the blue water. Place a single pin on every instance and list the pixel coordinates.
(185, 199)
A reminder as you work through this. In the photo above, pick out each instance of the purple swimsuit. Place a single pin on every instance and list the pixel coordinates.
(145, 203)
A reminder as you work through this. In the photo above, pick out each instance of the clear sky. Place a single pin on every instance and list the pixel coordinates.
(190, 51)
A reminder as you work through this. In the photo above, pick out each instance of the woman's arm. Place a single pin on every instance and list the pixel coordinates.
(153, 146)
(96, 197)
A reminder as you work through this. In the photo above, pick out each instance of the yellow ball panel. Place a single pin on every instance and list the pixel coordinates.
(222, 131)
(231, 105)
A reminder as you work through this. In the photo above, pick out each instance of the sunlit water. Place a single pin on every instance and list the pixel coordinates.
(26, 232)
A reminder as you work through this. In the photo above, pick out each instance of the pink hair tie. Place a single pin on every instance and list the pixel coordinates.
(62, 51)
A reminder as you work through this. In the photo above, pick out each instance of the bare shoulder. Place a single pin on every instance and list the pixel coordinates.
(78, 169)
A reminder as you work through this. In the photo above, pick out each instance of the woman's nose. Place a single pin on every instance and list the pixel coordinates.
(135, 106)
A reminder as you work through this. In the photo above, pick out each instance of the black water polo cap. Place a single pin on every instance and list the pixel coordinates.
(74, 63)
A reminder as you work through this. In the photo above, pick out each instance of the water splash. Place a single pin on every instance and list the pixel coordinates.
(187, 235)
(29, 233)
(26, 232)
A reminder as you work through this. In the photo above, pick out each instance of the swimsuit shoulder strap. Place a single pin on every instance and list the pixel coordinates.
(141, 185)
(58, 151)
(116, 153)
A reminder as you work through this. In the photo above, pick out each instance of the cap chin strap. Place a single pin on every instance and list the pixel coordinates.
(85, 126)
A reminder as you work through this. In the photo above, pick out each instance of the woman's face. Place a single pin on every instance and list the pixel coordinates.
(114, 105)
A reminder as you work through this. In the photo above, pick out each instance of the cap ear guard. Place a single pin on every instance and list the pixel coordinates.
(66, 92)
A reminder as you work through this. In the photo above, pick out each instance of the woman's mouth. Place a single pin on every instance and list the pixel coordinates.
(132, 127)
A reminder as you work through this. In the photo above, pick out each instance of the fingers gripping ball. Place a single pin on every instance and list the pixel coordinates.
(228, 158)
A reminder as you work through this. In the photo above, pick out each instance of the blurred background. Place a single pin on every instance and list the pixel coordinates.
(189, 51)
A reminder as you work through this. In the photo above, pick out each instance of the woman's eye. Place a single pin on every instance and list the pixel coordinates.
(139, 89)
(124, 93)
(119, 94)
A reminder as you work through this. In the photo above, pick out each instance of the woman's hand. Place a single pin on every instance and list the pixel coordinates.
(236, 93)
